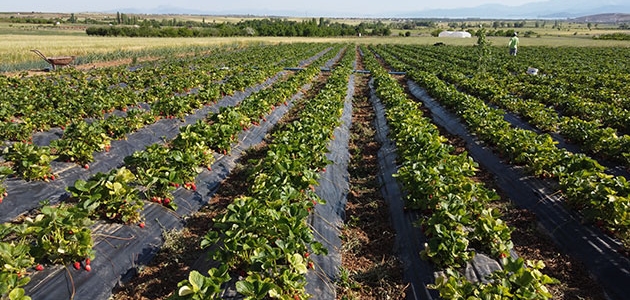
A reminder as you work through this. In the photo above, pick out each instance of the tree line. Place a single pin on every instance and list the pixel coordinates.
(261, 27)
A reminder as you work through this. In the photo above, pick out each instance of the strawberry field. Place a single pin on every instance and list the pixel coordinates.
(99, 166)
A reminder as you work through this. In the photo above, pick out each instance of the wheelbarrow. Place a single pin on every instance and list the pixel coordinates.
(55, 61)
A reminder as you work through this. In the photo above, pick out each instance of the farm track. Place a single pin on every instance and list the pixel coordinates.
(370, 268)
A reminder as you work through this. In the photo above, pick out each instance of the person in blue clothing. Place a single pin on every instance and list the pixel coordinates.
(513, 44)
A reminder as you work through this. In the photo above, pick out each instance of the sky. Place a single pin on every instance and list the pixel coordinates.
(348, 7)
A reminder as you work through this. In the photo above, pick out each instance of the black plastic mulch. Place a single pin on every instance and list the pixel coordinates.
(590, 245)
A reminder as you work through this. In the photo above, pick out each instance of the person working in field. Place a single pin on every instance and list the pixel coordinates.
(513, 44)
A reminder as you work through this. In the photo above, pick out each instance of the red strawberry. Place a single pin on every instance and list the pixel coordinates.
(86, 166)
(306, 255)
(167, 201)
(39, 267)
(52, 177)
(310, 265)
(1, 200)
(88, 268)
(87, 261)
(141, 225)
(77, 265)
(193, 186)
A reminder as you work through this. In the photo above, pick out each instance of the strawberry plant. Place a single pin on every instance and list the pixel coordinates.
(79, 142)
(59, 234)
(29, 161)
(111, 196)
(117, 127)
(16, 131)
(4, 172)
(198, 287)
(15, 258)
(517, 280)
(157, 171)
(192, 143)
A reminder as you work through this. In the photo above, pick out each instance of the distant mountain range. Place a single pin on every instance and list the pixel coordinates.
(551, 9)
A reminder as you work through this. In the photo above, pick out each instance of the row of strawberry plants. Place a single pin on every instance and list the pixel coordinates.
(592, 73)
(31, 104)
(592, 91)
(264, 237)
(160, 169)
(602, 198)
(163, 168)
(114, 196)
(597, 140)
(81, 139)
(455, 210)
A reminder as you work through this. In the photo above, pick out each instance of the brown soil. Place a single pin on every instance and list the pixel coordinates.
(370, 270)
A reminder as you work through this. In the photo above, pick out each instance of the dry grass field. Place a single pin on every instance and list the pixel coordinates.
(70, 39)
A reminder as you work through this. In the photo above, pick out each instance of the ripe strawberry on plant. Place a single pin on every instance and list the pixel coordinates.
(39, 267)
(77, 265)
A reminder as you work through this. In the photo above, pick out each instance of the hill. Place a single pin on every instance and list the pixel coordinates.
(604, 18)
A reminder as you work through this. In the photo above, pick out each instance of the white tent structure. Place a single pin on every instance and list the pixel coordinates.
(456, 34)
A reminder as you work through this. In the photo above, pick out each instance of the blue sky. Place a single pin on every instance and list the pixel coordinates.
(346, 7)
